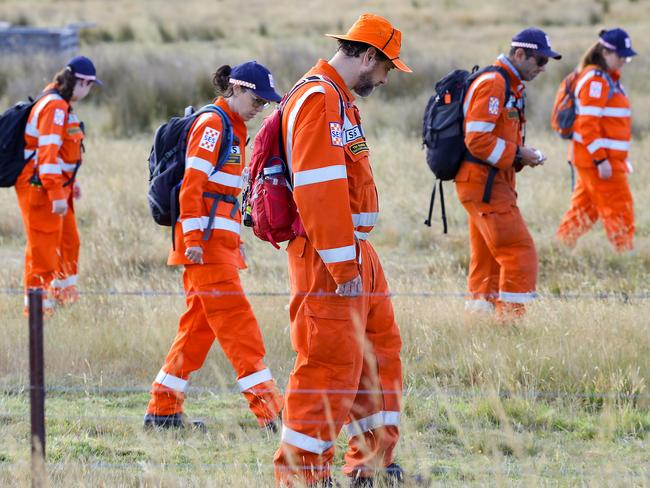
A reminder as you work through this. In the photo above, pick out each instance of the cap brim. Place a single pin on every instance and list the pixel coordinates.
(269, 95)
(396, 62)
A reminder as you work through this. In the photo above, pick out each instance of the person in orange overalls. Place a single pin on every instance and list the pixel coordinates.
(213, 257)
(503, 260)
(46, 188)
(601, 141)
(347, 372)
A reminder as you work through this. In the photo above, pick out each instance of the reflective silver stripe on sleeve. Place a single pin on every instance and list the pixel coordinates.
(338, 254)
(292, 120)
(49, 139)
(171, 381)
(374, 421)
(49, 169)
(319, 175)
(608, 144)
(199, 164)
(497, 152)
(219, 223)
(479, 127)
(475, 84)
(248, 382)
(305, 442)
(510, 297)
(364, 219)
(226, 179)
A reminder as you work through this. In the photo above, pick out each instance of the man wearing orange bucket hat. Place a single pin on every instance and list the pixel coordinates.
(347, 372)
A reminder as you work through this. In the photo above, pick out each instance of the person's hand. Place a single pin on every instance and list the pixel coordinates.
(60, 207)
(350, 288)
(194, 254)
(531, 157)
(604, 169)
(76, 191)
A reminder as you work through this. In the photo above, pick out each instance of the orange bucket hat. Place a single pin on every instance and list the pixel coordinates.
(380, 34)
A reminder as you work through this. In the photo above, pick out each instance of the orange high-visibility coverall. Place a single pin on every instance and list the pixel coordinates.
(209, 316)
(503, 260)
(348, 370)
(53, 140)
(602, 131)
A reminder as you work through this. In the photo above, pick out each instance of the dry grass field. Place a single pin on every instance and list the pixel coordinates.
(559, 400)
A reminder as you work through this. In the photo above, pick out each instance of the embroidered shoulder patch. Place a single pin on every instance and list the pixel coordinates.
(209, 139)
(595, 89)
(493, 106)
(336, 134)
(59, 116)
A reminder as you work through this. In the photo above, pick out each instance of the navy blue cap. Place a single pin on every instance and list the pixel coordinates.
(536, 39)
(617, 40)
(84, 69)
(256, 78)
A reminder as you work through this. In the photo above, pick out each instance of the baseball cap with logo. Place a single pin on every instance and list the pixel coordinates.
(380, 34)
(256, 78)
(617, 40)
(537, 40)
(84, 69)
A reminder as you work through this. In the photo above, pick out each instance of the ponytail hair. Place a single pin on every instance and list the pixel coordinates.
(221, 81)
(65, 82)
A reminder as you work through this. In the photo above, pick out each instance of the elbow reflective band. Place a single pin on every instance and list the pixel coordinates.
(497, 152)
(319, 175)
(305, 442)
(338, 254)
(479, 127)
(171, 381)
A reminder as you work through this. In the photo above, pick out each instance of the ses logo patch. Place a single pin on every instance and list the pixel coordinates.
(336, 134)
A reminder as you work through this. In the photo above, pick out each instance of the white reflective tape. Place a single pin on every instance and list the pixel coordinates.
(374, 421)
(510, 297)
(479, 127)
(49, 139)
(171, 381)
(363, 236)
(292, 119)
(226, 179)
(31, 130)
(475, 84)
(608, 144)
(319, 175)
(497, 152)
(590, 110)
(617, 112)
(199, 164)
(365, 219)
(49, 169)
(338, 254)
(248, 382)
(219, 223)
(304, 442)
(478, 306)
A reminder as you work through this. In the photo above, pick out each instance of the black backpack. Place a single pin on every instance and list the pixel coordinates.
(167, 162)
(12, 139)
(443, 133)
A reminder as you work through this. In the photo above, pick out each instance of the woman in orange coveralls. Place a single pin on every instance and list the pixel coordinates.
(213, 258)
(46, 187)
(601, 141)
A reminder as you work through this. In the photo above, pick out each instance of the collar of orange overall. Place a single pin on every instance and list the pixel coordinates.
(326, 69)
(516, 84)
(236, 121)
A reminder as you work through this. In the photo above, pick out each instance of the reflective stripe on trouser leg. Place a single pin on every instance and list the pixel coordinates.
(186, 355)
(231, 319)
(373, 424)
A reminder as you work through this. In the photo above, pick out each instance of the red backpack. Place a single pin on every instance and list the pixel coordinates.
(563, 114)
(268, 203)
